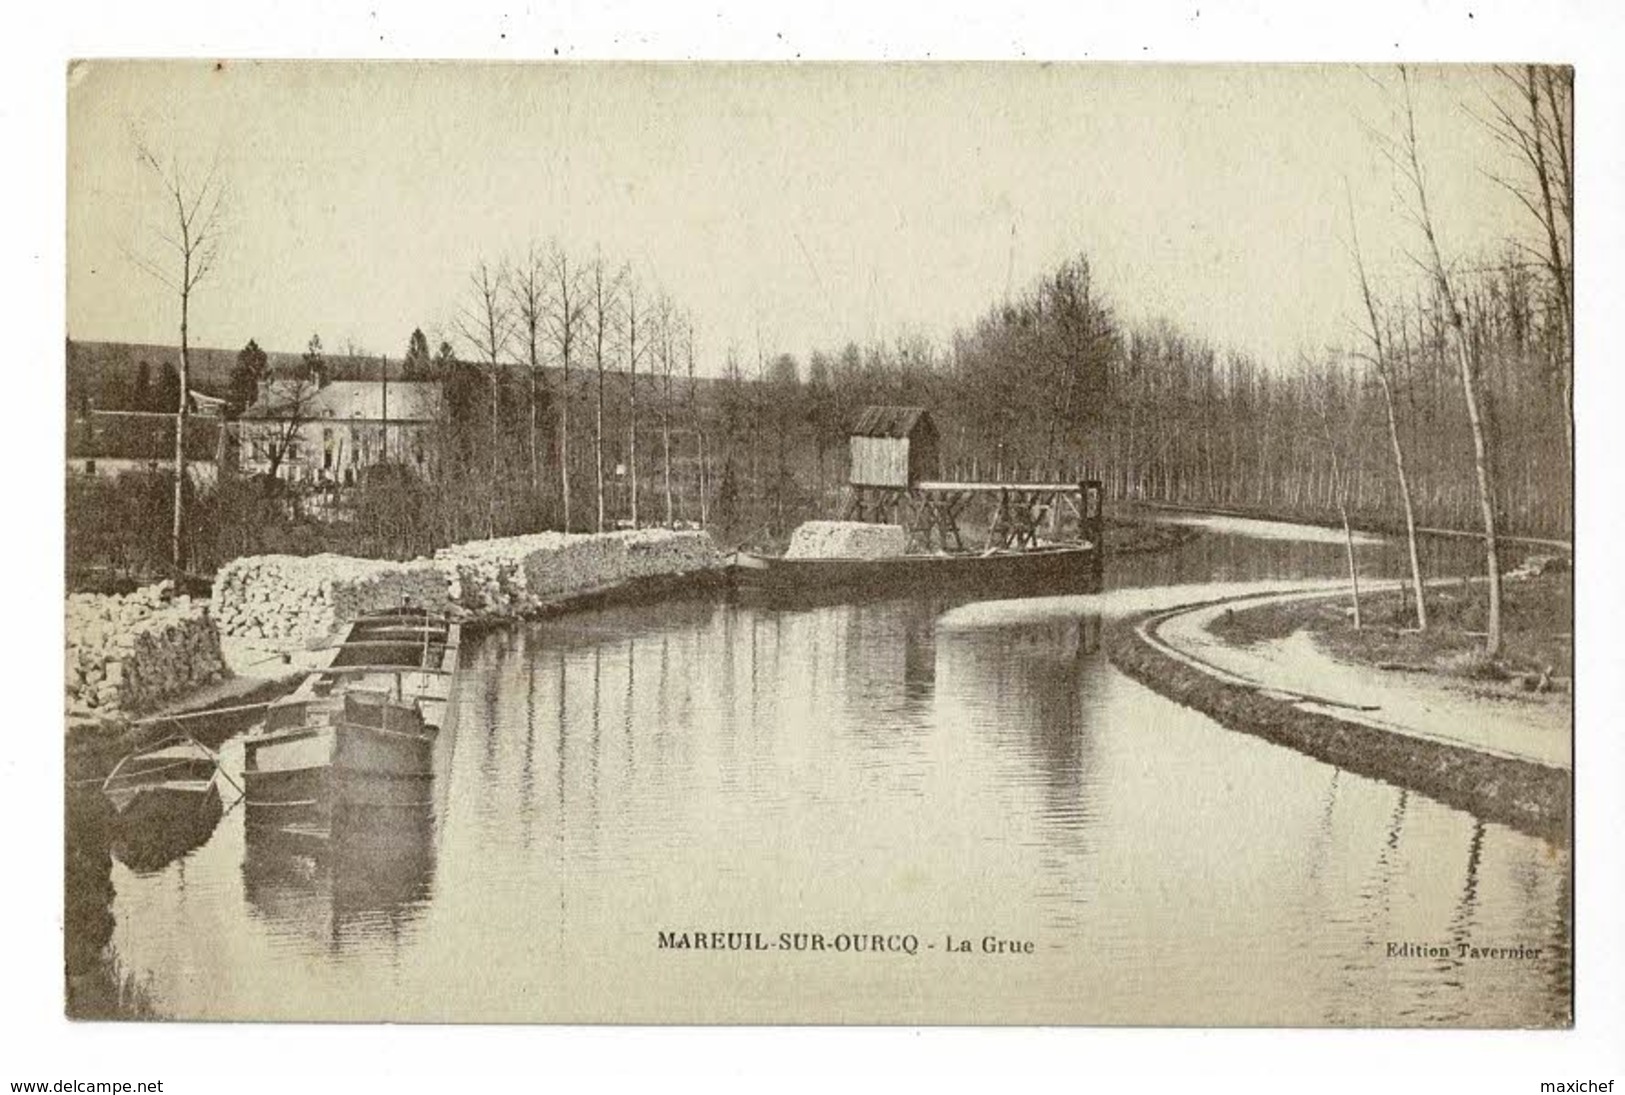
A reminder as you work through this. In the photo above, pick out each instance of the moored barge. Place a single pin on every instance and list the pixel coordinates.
(358, 735)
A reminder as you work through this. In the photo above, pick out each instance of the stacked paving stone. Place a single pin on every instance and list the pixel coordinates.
(519, 574)
(293, 599)
(653, 553)
(128, 653)
(846, 540)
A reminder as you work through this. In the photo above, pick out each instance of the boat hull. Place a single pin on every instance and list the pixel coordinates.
(1036, 572)
(359, 737)
(306, 776)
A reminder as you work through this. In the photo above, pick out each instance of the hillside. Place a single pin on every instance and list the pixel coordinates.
(106, 371)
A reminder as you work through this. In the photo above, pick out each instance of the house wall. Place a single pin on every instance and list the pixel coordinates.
(333, 451)
(111, 467)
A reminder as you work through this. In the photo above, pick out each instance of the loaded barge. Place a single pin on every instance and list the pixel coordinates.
(1041, 538)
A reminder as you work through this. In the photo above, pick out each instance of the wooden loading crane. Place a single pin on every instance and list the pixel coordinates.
(895, 464)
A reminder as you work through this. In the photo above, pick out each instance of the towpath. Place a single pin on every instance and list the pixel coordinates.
(1295, 669)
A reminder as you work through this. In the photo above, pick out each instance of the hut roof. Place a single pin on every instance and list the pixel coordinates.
(890, 421)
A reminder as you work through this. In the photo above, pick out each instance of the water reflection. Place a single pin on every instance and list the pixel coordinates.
(704, 766)
(370, 877)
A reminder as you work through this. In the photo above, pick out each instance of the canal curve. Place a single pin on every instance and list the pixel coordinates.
(929, 768)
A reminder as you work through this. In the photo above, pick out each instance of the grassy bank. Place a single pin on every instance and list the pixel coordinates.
(1537, 628)
(1530, 797)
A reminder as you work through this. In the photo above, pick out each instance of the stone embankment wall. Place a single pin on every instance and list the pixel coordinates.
(129, 653)
(846, 540)
(292, 599)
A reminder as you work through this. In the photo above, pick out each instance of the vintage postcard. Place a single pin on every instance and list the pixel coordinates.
(990, 544)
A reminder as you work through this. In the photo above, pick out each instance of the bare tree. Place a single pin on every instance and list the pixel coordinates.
(1379, 358)
(528, 287)
(285, 418)
(666, 320)
(485, 323)
(695, 421)
(190, 246)
(1407, 159)
(602, 291)
(1337, 483)
(565, 317)
(1539, 130)
(633, 320)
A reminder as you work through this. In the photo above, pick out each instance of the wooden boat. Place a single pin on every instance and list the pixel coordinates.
(1047, 568)
(175, 770)
(166, 798)
(358, 734)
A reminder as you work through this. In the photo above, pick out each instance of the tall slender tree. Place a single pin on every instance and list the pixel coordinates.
(565, 317)
(486, 324)
(602, 290)
(696, 423)
(1408, 159)
(666, 320)
(1379, 358)
(528, 287)
(188, 249)
(635, 319)
(1532, 113)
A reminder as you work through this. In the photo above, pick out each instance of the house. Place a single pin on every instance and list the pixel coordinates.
(893, 447)
(108, 441)
(331, 434)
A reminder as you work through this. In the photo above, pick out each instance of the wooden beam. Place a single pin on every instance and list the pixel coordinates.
(995, 488)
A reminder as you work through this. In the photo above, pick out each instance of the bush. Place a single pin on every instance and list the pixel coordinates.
(1474, 665)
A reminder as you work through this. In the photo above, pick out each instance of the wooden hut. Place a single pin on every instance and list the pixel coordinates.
(893, 447)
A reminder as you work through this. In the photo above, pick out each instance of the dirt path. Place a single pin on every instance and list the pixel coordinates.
(1532, 728)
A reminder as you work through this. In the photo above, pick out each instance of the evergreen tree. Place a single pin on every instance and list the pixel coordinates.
(246, 376)
(314, 364)
(417, 365)
(167, 396)
(141, 398)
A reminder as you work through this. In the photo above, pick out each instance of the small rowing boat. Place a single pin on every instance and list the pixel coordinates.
(358, 734)
(167, 800)
(178, 769)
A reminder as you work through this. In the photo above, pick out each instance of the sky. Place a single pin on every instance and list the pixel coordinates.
(790, 208)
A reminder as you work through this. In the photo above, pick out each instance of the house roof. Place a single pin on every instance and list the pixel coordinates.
(204, 403)
(409, 401)
(890, 421)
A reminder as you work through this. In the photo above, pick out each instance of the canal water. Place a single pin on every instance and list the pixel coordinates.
(928, 772)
